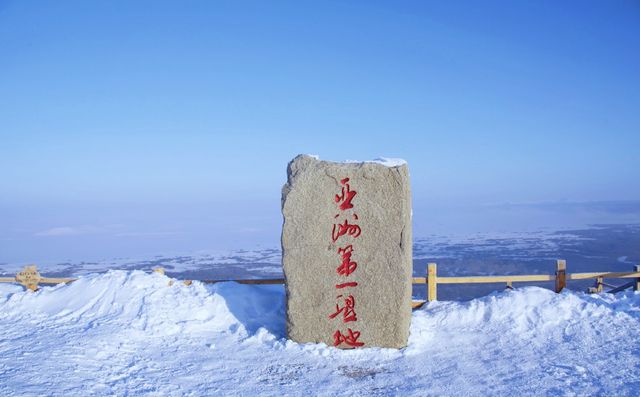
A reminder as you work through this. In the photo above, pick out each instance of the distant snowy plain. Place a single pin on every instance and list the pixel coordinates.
(597, 248)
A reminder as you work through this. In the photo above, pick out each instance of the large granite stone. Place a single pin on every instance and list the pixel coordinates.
(324, 257)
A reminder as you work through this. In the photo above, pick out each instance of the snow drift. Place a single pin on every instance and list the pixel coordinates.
(129, 333)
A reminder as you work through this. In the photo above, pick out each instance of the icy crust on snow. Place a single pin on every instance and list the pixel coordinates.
(130, 333)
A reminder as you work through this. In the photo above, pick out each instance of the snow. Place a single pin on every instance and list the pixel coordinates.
(130, 333)
(386, 161)
(173, 261)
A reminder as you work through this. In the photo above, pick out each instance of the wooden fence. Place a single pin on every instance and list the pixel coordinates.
(30, 278)
(560, 278)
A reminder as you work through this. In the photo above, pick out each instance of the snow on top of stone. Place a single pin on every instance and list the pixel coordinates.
(386, 161)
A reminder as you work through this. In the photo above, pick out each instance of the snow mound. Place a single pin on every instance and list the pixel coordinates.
(531, 314)
(145, 303)
(130, 333)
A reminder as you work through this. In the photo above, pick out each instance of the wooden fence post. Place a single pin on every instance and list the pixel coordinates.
(159, 270)
(432, 282)
(599, 284)
(561, 274)
(636, 286)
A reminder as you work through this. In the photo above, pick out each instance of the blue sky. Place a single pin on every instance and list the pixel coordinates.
(133, 127)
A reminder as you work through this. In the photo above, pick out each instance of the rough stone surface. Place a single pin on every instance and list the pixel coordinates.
(381, 249)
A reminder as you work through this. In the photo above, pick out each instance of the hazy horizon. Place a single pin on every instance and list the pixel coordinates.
(88, 232)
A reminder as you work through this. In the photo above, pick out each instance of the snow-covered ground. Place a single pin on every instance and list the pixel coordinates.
(129, 333)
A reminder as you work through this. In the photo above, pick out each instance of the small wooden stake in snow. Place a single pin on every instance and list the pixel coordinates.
(432, 282)
(160, 270)
(29, 277)
(636, 287)
(561, 274)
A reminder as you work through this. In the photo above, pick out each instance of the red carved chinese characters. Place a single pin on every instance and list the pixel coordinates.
(348, 310)
(346, 196)
(345, 285)
(346, 307)
(345, 228)
(351, 339)
(347, 266)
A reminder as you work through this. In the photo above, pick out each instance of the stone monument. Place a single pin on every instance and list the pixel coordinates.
(346, 252)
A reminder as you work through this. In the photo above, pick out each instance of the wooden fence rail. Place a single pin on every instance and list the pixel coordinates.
(560, 277)
(30, 278)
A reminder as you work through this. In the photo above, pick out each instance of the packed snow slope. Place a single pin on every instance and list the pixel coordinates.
(129, 333)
